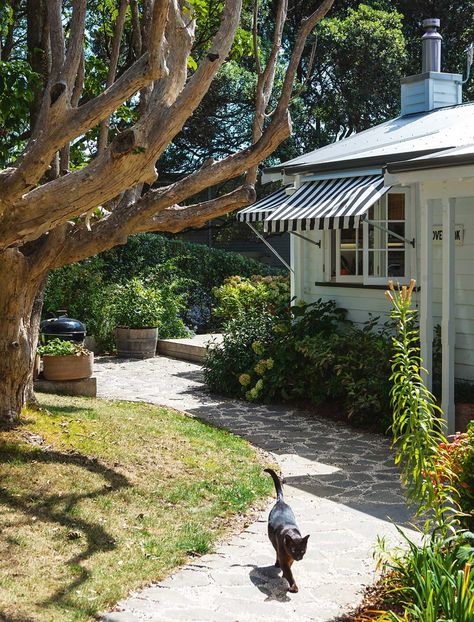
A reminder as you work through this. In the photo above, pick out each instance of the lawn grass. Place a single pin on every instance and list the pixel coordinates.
(99, 497)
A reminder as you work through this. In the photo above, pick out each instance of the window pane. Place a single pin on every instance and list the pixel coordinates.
(371, 241)
(396, 206)
(396, 263)
(348, 262)
(394, 242)
(377, 263)
(377, 236)
(348, 239)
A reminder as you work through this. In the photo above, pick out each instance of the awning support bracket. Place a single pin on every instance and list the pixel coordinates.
(318, 243)
(395, 235)
(270, 248)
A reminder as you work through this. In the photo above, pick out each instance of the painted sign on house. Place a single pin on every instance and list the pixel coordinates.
(458, 234)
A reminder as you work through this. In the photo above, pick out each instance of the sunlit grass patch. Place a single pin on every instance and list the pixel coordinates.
(99, 497)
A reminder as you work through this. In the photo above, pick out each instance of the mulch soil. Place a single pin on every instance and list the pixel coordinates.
(375, 602)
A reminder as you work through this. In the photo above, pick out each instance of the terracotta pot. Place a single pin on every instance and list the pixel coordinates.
(68, 367)
(136, 343)
(464, 414)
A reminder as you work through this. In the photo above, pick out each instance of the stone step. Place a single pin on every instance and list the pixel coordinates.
(192, 349)
(86, 387)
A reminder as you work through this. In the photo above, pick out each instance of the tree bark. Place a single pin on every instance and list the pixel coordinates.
(113, 63)
(19, 286)
(30, 398)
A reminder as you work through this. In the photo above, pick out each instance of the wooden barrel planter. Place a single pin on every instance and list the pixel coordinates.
(68, 367)
(136, 343)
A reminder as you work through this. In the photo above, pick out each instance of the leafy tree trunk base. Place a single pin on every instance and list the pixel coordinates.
(19, 325)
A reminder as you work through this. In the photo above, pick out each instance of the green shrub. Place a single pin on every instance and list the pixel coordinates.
(184, 273)
(352, 365)
(279, 370)
(460, 455)
(139, 304)
(308, 352)
(134, 305)
(258, 293)
(226, 361)
(206, 266)
(79, 288)
(61, 347)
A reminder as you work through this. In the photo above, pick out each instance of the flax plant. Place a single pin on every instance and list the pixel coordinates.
(433, 582)
(418, 425)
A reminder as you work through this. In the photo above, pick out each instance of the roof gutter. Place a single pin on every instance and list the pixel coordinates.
(355, 163)
(462, 159)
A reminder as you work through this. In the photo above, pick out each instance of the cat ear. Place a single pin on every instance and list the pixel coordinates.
(305, 539)
(288, 540)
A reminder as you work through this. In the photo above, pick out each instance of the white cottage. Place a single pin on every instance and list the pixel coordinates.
(393, 202)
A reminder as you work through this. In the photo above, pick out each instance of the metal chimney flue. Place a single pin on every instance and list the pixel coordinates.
(432, 88)
(431, 46)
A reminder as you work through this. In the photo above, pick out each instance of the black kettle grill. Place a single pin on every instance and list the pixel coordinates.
(62, 327)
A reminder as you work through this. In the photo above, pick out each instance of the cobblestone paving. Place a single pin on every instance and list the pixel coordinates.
(340, 482)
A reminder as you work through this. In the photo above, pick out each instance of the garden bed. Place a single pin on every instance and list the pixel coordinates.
(100, 497)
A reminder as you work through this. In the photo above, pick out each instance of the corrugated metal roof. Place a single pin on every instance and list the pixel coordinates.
(397, 139)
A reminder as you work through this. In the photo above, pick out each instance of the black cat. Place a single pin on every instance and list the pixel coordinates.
(285, 535)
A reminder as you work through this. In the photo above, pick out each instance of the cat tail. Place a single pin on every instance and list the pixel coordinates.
(276, 481)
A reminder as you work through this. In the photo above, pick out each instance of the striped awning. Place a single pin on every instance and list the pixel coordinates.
(327, 204)
(260, 210)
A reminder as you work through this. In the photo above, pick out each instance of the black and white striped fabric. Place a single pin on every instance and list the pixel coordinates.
(263, 208)
(327, 204)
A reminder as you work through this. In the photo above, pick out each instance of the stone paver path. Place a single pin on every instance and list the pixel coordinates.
(342, 486)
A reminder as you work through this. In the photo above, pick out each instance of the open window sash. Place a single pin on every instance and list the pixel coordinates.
(386, 255)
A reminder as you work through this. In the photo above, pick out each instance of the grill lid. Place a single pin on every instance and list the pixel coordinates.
(62, 325)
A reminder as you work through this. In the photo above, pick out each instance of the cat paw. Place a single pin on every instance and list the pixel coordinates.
(293, 588)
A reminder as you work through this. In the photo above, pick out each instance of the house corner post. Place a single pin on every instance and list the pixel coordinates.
(448, 333)
(426, 291)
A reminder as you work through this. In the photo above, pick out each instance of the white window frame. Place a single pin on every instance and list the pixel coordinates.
(365, 279)
(382, 280)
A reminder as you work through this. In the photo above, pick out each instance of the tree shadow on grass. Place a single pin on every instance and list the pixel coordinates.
(59, 508)
(59, 411)
(14, 618)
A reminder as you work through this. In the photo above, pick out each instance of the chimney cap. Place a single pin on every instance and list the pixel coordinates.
(431, 22)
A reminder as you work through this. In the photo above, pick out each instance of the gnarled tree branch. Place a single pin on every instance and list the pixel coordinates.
(114, 58)
(129, 219)
(265, 77)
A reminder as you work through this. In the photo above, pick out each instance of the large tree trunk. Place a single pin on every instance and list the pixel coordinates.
(19, 320)
(30, 398)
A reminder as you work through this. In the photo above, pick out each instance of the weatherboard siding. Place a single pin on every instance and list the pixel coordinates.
(361, 302)
(463, 287)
